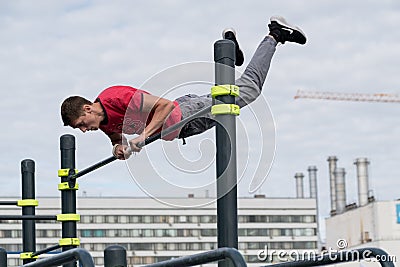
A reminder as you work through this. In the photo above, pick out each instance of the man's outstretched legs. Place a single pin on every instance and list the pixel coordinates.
(253, 78)
(251, 82)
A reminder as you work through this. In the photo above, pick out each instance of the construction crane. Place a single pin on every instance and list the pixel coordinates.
(393, 98)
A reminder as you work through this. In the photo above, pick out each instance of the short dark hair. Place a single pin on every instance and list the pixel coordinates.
(71, 109)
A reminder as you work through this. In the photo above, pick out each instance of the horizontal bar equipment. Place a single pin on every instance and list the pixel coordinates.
(9, 203)
(149, 140)
(46, 250)
(205, 257)
(28, 217)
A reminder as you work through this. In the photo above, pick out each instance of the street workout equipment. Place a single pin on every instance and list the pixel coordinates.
(224, 92)
(225, 111)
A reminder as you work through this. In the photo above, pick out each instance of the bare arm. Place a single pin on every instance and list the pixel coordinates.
(161, 109)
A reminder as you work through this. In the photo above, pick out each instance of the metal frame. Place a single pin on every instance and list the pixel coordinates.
(206, 257)
(67, 257)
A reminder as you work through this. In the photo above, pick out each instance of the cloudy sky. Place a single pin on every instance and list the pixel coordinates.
(53, 49)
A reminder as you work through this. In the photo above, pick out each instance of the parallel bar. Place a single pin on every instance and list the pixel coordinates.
(149, 140)
(70, 257)
(46, 250)
(28, 192)
(227, 223)
(68, 197)
(28, 217)
(202, 258)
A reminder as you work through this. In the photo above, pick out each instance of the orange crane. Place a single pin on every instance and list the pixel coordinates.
(393, 98)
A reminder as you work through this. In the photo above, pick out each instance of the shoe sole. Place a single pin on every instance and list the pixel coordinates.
(239, 61)
(228, 30)
(281, 21)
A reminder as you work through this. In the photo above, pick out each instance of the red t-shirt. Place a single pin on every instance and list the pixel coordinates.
(123, 112)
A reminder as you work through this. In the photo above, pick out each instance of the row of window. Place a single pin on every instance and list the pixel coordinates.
(274, 232)
(203, 246)
(184, 219)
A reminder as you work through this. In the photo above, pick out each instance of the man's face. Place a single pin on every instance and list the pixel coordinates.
(89, 121)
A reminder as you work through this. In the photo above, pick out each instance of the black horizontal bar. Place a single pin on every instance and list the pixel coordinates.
(46, 250)
(7, 202)
(205, 257)
(28, 217)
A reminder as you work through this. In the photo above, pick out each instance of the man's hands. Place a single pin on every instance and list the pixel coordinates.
(137, 143)
(123, 152)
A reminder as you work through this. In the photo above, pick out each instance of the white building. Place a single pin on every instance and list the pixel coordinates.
(152, 231)
(368, 223)
(376, 224)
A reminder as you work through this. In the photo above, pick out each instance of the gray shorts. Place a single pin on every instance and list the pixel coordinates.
(191, 104)
(250, 84)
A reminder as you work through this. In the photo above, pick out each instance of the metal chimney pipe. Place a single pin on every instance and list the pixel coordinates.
(312, 174)
(332, 167)
(362, 180)
(299, 185)
(340, 190)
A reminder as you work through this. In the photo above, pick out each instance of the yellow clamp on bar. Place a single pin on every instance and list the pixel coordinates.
(27, 255)
(27, 203)
(68, 217)
(64, 172)
(65, 186)
(69, 242)
(222, 109)
(225, 89)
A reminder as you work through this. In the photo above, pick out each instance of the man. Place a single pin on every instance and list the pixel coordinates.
(122, 110)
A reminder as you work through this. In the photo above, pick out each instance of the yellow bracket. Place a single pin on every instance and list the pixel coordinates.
(64, 172)
(223, 109)
(69, 242)
(27, 255)
(65, 186)
(225, 89)
(27, 203)
(68, 217)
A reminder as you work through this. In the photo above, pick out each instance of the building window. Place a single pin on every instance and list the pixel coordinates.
(98, 219)
(141, 246)
(211, 232)
(208, 219)
(99, 261)
(147, 219)
(193, 219)
(134, 219)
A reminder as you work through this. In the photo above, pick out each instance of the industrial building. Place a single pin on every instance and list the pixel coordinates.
(368, 223)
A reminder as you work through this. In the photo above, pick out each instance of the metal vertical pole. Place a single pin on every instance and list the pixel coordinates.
(28, 193)
(3, 257)
(68, 197)
(227, 223)
(115, 256)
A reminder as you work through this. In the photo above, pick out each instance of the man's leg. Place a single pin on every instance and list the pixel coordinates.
(250, 83)
(253, 78)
